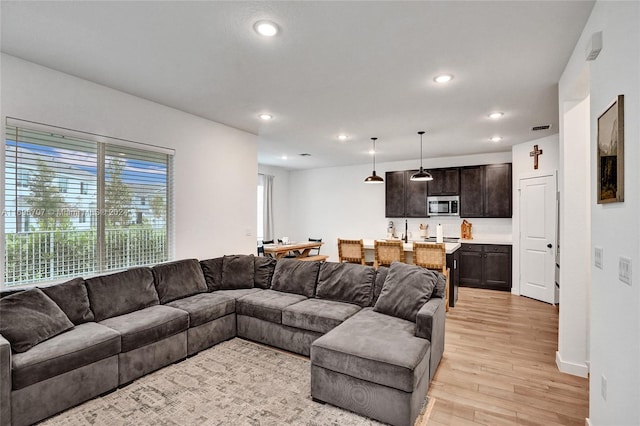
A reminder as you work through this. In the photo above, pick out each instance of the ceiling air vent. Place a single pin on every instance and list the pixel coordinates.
(542, 127)
(305, 154)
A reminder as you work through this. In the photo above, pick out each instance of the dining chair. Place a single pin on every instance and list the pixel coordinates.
(351, 251)
(315, 240)
(432, 256)
(261, 246)
(387, 252)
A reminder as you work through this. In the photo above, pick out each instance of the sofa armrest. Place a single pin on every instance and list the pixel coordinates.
(430, 317)
(5, 382)
(430, 324)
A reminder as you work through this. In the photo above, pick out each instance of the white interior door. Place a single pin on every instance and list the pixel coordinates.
(538, 237)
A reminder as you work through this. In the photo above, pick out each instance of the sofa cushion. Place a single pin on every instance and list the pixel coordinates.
(374, 347)
(9, 291)
(266, 304)
(346, 282)
(441, 285)
(381, 276)
(294, 276)
(237, 294)
(317, 314)
(405, 290)
(205, 307)
(237, 272)
(263, 271)
(148, 325)
(212, 270)
(30, 317)
(175, 280)
(121, 293)
(83, 345)
(73, 299)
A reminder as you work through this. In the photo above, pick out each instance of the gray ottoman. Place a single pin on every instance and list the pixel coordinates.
(374, 365)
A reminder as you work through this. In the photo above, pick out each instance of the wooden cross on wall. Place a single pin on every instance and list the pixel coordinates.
(535, 153)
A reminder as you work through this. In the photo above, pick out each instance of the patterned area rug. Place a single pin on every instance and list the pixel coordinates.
(234, 383)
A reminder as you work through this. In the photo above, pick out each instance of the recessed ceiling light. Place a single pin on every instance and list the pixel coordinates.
(284, 157)
(495, 139)
(266, 117)
(444, 78)
(266, 28)
(495, 115)
(343, 137)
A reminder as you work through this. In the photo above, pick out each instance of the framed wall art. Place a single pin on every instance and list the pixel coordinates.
(610, 153)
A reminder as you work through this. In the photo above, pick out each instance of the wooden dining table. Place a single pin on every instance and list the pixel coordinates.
(298, 249)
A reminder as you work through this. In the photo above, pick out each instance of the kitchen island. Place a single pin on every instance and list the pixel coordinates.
(451, 247)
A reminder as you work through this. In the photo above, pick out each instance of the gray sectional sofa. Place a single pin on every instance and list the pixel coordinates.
(375, 338)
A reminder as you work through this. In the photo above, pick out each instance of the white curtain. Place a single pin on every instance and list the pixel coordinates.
(267, 212)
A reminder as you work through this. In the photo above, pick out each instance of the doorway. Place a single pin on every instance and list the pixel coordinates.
(538, 236)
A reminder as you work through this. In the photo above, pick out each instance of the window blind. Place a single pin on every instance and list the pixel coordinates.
(77, 207)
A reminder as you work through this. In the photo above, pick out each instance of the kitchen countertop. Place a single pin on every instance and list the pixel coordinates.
(449, 247)
(489, 239)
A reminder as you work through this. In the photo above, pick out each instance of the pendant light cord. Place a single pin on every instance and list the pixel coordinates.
(421, 133)
(374, 153)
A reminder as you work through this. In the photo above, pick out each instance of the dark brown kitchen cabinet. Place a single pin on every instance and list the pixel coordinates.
(394, 194)
(485, 191)
(485, 266)
(445, 182)
(497, 194)
(403, 197)
(472, 191)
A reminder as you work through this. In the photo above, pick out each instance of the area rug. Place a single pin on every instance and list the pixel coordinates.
(234, 383)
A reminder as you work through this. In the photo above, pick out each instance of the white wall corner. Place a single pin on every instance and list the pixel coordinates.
(575, 369)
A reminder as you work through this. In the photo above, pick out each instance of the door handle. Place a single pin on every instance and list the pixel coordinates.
(549, 245)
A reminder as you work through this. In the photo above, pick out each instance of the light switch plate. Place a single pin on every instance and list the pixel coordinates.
(603, 387)
(597, 257)
(624, 270)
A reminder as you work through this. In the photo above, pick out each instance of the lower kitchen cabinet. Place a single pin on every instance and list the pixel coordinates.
(485, 266)
(453, 264)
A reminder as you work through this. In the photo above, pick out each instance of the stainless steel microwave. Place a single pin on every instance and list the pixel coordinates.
(443, 206)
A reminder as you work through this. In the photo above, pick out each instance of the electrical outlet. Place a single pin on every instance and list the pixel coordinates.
(603, 387)
(597, 257)
(624, 270)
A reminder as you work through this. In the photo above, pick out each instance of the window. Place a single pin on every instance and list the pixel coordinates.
(76, 216)
(63, 184)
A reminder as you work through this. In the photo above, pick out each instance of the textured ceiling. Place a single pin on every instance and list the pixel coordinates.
(360, 68)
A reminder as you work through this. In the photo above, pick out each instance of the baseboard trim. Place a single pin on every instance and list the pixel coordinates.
(580, 370)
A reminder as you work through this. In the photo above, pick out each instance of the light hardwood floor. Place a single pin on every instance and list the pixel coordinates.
(499, 365)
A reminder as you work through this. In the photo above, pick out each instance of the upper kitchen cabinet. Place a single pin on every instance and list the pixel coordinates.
(445, 182)
(404, 198)
(394, 194)
(472, 191)
(485, 191)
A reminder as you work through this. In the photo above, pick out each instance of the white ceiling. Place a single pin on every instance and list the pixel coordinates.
(360, 68)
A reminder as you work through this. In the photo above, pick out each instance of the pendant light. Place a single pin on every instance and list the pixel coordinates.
(422, 175)
(374, 178)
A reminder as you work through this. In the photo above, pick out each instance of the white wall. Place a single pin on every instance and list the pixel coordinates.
(280, 198)
(575, 218)
(335, 202)
(614, 325)
(523, 167)
(215, 175)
